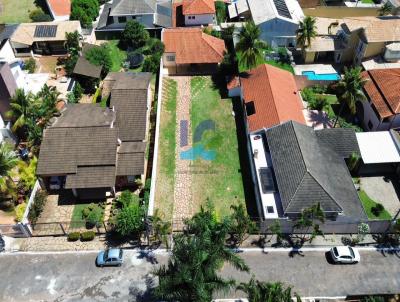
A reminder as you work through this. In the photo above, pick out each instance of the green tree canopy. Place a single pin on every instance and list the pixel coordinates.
(134, 35)
(85, 11)
(306, 32)
(250, 47)
(130, 219)
(73, 43)
(100, 56)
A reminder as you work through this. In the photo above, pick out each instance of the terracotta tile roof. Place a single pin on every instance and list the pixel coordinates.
(383, 88)
(274, 94)
(60, 7)
(198, 7)
(192, 46)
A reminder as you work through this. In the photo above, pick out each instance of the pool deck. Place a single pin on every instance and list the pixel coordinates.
(317, 68)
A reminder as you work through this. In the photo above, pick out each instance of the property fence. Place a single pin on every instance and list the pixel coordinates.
(64, 228)
(17, 230)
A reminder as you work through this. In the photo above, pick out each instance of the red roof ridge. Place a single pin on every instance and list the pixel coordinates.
(207, 38)
(198, 7)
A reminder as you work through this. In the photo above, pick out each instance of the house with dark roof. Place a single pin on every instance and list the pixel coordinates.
(151, 14)
(83, 68)
(294, 166)
(198, 12)
(382, 110)
(191, 51)
(93, 150)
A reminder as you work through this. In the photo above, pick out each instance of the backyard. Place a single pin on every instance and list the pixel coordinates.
(198, 162)
(16, 11)
(277, 63)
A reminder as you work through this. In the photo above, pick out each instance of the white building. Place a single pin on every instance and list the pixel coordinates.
(198, 12)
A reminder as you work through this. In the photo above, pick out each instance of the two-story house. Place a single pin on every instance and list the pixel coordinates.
(198, 12)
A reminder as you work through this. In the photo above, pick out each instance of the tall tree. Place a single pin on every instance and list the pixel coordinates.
(192, 271)
(100, 56)
(258, 291)
(250, 47)
(241, 224)
(85, 11)
(20, 108)
(134, 35)
(349, 90)
(73, 43)
(46, 101)
(161, 228)
(8, 160)
(306, 32)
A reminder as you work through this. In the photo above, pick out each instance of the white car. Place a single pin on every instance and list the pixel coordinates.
(345, 254)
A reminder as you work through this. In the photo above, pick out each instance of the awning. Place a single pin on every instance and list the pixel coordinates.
(378, 147)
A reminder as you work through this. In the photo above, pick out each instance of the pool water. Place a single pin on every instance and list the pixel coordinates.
(312, 76)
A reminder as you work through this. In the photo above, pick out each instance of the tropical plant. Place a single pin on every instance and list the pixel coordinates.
(134, 35)
(19, 108)
(241, 224)
(161, 228)
(385, 9)
(258, 291)
(73, 42)
(220, 10)
(308, 219)
(30, 65)
(306, 32)
(250, 47)
(130, 219)
(349, 90)
(276, 230)
(151, 63)
(8, 161)
(363, 230)
(27, 173)
(20, 211)
(45, 104)
(192, 270)
(126, 198)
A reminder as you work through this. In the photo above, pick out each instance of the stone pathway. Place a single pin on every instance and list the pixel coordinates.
(183, 180)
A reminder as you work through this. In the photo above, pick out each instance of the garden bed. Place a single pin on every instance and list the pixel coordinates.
(369, 205)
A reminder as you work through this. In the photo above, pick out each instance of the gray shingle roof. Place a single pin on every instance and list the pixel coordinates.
(132, 7)
(342, 140)
(129, 99)
(6, 31)
(84, 115)
(308, 171)
(63, 150)
(91, 177)
(84, 67)
(130, 159)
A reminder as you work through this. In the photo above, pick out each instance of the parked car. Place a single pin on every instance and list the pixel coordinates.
(55, 183)
(345, 254)
(110, 257)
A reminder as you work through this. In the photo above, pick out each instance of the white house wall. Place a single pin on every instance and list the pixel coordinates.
(147, 20)
(199, 19)
(371, 118)
(7, 53)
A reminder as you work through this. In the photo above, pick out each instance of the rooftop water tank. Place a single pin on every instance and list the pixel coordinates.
(392, 52)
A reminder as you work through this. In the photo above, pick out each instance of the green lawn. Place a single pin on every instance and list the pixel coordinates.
(367, 1)
(218, 180)
(368, 203)
(260, 61)
(16, 11)
(118, 55)
(166, 153)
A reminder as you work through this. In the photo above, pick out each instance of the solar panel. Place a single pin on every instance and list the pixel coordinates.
(184, 133)
(45, 31)
(282, 8)
(267, 181)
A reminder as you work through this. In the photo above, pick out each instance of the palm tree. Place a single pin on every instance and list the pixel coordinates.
(20, 109)
(306, 32)
(192, 271)
(241, 224)
(385, 9)
(349, 90)
(8, 160)
(161, 228)
(46, 101)
(258, 291)
(250, 47)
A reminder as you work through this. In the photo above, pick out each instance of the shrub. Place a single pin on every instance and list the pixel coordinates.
(129, 220)
(19, 211)
(74, 236)
(377, 209)
(154, 46)
(92, 214)
(37, 15)
(126, 198)
(37, 206)
(77, 91)
(220, 8)
(347, 240)
(30, 65)
(70, 64)
(134, 35)
(151, 64)
(87, 236)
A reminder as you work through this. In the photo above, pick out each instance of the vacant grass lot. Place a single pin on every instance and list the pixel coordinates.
(368, 204)
(164, 197)
(16, 11)
(219, 180)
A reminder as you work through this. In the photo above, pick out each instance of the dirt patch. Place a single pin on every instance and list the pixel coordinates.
(6, 217)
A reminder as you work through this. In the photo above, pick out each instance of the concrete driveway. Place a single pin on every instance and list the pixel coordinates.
(74, 277)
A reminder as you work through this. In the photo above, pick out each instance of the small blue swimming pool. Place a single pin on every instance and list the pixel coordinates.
(312, 76)
(196, 152)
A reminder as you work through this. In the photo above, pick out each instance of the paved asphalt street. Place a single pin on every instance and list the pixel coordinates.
(74, 276)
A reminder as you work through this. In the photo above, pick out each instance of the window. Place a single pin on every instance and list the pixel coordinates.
(270, 209)
(170, 58)
(121, 19)
(250, 108)
(370, 125)
(192, 17)
(110, 20)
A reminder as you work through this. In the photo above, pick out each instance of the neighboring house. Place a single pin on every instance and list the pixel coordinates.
(352, 40)
(277, 19)
(92, 150)
(297, 167)
(198, 12)
(83, 68)
(6, 51)
(270, 97)
(43, 38)
(8, 85)
(382, 110)
(59, 9)
(151, 13)
(190, 50)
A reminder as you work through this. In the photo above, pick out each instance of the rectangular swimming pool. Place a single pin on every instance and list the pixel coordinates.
(312, 76)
